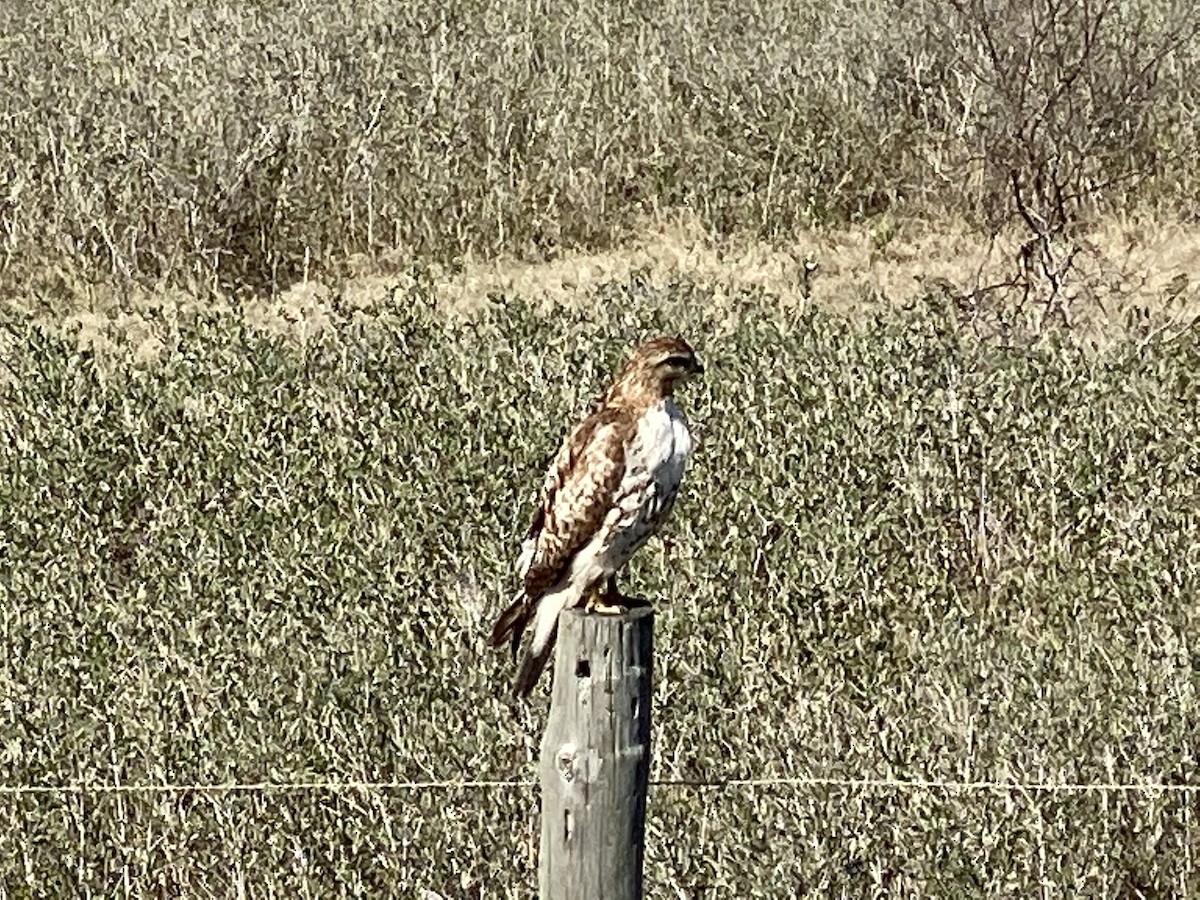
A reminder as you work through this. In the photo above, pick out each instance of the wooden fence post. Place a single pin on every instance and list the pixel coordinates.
(595, 762)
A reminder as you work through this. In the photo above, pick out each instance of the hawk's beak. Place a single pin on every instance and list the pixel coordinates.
(697, 367)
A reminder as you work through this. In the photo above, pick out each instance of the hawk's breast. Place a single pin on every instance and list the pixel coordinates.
(654, 464)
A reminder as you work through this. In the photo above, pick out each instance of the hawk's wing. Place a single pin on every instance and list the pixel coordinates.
(578, 493)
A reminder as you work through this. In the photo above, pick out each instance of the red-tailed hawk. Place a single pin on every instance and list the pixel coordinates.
(610, 486)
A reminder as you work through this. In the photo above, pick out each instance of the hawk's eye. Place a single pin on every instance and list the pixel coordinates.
(679, 362)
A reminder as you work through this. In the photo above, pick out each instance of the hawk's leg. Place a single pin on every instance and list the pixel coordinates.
(610, 602)
(612, 593)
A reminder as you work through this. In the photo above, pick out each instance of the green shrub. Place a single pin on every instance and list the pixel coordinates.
(903, 552)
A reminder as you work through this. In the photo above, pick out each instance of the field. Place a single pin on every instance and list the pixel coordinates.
(296, 301)
(906, 551)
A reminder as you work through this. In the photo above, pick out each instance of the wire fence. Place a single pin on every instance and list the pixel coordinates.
(700, 784)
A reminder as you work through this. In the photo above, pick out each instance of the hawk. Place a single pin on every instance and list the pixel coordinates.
(610, 486)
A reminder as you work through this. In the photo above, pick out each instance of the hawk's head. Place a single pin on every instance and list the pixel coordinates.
(654, 368)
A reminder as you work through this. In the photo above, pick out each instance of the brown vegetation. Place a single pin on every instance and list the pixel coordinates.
(255, 145)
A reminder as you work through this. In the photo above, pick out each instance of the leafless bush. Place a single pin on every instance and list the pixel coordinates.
(1064, 106)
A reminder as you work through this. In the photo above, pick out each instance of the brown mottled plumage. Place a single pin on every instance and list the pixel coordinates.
(609, 487)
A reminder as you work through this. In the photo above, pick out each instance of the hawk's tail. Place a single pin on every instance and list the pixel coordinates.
(511, 624)
(533, 664)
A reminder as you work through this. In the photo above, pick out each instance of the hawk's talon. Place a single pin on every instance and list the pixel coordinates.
(606, 604)
(610, 609)
(609, 602)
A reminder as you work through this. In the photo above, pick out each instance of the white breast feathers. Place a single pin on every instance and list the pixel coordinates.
(654, 464)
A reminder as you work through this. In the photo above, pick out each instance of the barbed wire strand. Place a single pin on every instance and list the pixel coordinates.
(468, 785)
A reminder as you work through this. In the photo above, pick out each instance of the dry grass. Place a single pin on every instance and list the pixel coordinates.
(1134, 272)
(1130, 264)
(248, 146)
